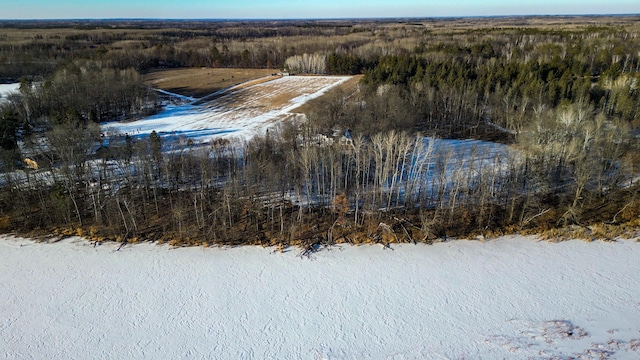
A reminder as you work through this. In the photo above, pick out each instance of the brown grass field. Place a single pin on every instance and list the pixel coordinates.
(199, 82)
(261, 97)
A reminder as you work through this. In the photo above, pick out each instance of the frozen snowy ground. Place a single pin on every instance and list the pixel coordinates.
(514, 298)
(236, 114)
(5, 89)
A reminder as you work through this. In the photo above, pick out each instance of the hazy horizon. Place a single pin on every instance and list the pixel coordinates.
(315, 18)
(293, 10)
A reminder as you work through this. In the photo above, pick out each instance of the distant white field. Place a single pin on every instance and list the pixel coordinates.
(239, 114)
(511, 298)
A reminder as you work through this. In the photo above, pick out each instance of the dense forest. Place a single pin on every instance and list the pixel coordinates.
(562, 92)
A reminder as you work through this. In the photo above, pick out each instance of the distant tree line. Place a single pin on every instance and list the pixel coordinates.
(348, 46)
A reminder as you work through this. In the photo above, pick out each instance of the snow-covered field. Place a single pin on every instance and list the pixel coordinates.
(240, 114)
(513, 297)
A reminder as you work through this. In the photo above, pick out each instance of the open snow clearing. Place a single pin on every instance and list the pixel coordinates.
(510, 298)
(241, 113)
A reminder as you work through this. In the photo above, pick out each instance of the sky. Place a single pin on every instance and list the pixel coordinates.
(298, 9)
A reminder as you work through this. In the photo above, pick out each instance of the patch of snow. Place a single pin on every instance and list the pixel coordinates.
(513, 297)
(6, 89)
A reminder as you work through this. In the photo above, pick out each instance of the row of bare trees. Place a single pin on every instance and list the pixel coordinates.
(85, 92)
(282, 187)
(307, 64)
